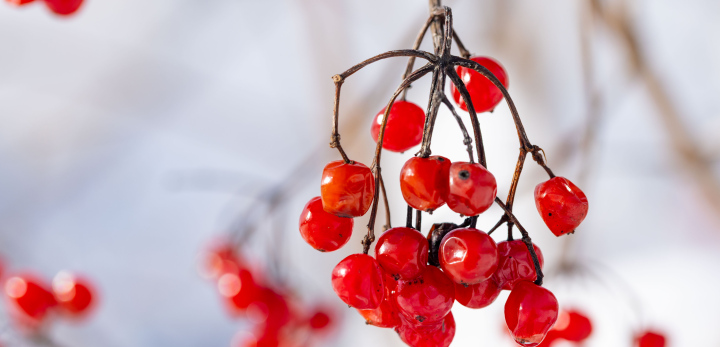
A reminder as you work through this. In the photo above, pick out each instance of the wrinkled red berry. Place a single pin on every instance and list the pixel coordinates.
(324, 231)
(650, 339)
(438, 334)
(347, 190)
(74, 294)
(483, 93)
(478, 295)
(29, 298)
(468, 255)
(64, 7)
(573, 326)
(358, 281)
(404, 126)
(562, 205)
(427, 298)
(515, 263)
(402, 252)
(238, 290)
(472, 189)
(530, 312)
(424, 182)
(386, 315)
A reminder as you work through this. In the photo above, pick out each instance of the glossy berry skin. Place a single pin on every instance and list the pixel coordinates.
(530, 312)
(424, 182)
(573, 326)
(404, 126)
(650, 339)
(387, 314)
(472, 189)
(515, 263)
(562, 205)
(439, 334)
(30, 299)
(468, 255)
(347, 189)
(483, 93)
(73, 294)
(478, 295)
(64, 7)
(402, 252)
(324, 231)
(239, 290)
(427, 298)
(358, 281)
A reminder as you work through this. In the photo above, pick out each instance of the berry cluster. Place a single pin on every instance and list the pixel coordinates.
(59, 7)
(33, 302)
(279, 320)
(413, 281)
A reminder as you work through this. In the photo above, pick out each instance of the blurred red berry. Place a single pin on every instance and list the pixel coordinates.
(573, 326)
(650, 339)
(239, 290)
(404, 126)
(324, 231)
(73, 294)
(64, 7)
(347, 189)
(30, 299)
(219, 258)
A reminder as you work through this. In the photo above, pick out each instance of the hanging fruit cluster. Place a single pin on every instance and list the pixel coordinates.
(279, 319)
(59, 7)
(413, 281)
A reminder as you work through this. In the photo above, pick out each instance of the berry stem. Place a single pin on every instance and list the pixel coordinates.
(466, 138)
(416, 45)
(387, 205)
(418, 220)
(457, 81)
(526, 240)
(408, 221)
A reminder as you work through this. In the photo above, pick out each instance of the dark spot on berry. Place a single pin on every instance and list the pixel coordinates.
(321, 250)
(440, 159)
(396, 277)
(549, 214)
(464, 284)
(464, 174)
(420, 318)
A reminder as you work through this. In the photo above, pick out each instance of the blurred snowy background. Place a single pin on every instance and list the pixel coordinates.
(136, 131)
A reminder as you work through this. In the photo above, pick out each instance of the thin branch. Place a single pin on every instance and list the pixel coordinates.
(460, 86)
(387, 206)
(467, 141)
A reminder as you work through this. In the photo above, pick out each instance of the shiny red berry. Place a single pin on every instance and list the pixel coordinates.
(483, 93)
(515, 263)
(238, 290)
(468, 255)
(64, 7)
(324, 231)
(439, 334)
(402, 252)
(562, 205)
(30, 299)
(478, 295)
(424, 182)
(427, 298)
(650, 339)
(573, 326)
(530, 312)
(347, 189)
(386, 315)
(472, 189)
(358, 281)
(74, 294)
(404, 126)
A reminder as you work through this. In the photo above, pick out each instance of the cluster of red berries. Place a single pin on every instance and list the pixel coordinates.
(60, 7)
(33, 302)
(413, 280)
(279, 319)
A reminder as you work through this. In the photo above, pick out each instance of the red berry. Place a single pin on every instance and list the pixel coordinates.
(74, 294)
(472, 189)
(386, 315)
(515, 263)
(650, 339)
(550, 339)
(29, 298)
(324, 231)
(347, 190)
(439, 334)
(573, 326)
(483, 93)
(404, 126)
(468, 256)
(477, 295)
(402, 252)
(530, 312)
(64, 7)
(220, 258)
(270, 311)
(358, 281)
(562, 205)
(320, 320)
(424, 182)
(427, 298)
(239, 290)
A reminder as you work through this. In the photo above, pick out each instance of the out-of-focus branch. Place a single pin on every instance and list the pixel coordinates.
(688, 152)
